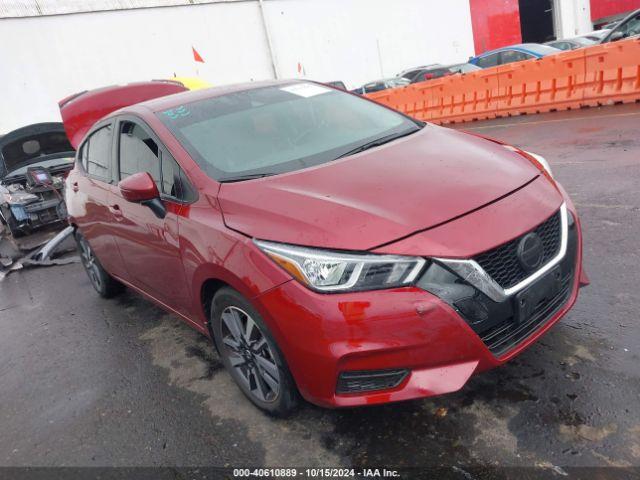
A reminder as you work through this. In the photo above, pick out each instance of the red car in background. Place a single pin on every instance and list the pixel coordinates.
(328, 245)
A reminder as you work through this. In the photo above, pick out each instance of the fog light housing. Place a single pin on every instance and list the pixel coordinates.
(370, 380)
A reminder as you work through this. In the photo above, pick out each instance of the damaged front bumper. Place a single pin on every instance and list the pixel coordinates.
(23, 209)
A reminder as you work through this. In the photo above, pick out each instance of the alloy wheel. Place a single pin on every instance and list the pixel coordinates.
(90, 263)
(250, 354)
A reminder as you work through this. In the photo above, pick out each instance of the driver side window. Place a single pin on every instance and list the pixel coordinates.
(632, 27)
(138, 152)
(488, 61)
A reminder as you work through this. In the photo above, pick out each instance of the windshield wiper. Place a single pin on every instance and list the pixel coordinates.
(377, 142)
(242, 178)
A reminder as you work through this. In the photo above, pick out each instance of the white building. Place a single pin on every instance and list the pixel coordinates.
(50, 49)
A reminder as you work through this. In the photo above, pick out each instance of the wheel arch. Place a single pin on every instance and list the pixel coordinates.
(208, 289)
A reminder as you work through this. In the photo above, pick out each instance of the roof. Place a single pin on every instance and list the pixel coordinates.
(535, 48)
(451, 65)
(419, 68)
(175, 100)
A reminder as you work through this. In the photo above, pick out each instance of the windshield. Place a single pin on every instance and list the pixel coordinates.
(277, 129)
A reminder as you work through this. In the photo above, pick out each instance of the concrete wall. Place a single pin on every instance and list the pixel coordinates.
(361, 40)
(45, 58)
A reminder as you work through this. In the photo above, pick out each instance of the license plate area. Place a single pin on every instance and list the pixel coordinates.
(540, 292)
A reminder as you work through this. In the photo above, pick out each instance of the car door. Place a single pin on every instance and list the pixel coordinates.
(90, 185)
(150, 245)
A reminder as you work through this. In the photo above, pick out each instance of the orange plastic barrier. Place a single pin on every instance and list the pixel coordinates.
(613, 73)
(598, 75)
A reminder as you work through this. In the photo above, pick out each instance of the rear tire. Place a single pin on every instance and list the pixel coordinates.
(104, 284)
(251, 355)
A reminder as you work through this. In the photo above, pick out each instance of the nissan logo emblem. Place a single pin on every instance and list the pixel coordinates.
(530, 251)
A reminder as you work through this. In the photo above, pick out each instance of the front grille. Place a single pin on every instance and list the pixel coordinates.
(370, 380)
(502, 325)
(501, 263)
(508, 334)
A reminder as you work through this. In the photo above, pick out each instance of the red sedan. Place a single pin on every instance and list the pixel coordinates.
(330, 247)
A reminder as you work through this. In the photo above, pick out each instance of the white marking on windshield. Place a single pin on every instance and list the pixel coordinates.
(305, 89)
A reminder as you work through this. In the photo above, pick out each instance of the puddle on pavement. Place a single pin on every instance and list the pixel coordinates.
(191, 363)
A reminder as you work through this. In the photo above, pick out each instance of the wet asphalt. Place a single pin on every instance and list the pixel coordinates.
(92, 382)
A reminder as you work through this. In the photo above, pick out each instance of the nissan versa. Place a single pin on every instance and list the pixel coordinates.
(330, 247)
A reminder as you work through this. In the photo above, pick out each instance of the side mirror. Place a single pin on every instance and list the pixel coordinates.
(428, 76)
(140, 188)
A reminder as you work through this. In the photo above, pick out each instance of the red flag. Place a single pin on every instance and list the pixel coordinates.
(196, 56)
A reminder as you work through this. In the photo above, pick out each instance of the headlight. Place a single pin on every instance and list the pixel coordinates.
(542, 161)
(328, 271)
(534, 158)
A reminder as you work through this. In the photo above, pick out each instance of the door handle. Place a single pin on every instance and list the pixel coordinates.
(75, 187)
(115, 210)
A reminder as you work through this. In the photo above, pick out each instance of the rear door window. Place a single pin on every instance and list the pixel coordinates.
(440, 72)
(374, 87)
(510, 56)
(96, 154)
(488, 61)
(83, 154)
(413, 74)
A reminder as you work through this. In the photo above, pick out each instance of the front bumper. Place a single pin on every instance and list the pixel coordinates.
(323, 335)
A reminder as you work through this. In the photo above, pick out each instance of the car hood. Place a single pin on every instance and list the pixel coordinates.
(380, 195)
(33, 144)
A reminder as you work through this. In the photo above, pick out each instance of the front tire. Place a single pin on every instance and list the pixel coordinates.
(251, 355)
(104, 284)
